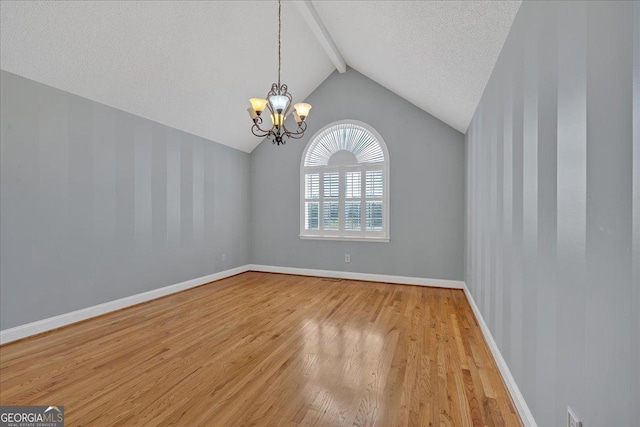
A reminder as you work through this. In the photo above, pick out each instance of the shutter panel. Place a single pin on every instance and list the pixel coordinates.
(352, 185)
(312, 204)
(374, 190)
(332, 185)
(312, 216)
(375, 184)
(374, 216)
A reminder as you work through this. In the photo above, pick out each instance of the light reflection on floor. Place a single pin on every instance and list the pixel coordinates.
(341, 364)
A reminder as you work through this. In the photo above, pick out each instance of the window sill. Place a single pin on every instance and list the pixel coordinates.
(346, 239)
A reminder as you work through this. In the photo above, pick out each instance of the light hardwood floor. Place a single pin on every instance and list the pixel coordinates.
(269, 349)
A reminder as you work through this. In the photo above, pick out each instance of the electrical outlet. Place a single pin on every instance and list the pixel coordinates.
(572, 419)
(347, 257)
(223, 257)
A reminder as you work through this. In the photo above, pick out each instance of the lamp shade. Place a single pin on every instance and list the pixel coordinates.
(302, 108)
(277, 119)
(258, 104)
(279, 103)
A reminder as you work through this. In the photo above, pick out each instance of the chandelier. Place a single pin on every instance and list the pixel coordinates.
(278, 102)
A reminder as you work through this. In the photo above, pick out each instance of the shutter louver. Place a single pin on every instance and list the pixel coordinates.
(356, 139)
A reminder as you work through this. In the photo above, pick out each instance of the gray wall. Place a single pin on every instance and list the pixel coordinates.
(98, 204)
(427, 189)
(553, 209)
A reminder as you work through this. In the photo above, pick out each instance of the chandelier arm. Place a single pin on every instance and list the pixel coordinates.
(299, 133)
(255, 129)
(288, 95)
(257, 126)
(286, 112)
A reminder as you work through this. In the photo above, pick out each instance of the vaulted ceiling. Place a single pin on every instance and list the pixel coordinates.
(193, 65)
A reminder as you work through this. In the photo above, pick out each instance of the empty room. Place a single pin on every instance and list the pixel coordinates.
(320, 213)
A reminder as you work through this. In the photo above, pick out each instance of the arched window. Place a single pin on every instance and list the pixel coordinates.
(344, 184)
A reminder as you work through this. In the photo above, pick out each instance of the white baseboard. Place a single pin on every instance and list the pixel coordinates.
(518, 399)
(404, 280)
(40, 326)
(55, 322)
(516, 395)
(23, 331)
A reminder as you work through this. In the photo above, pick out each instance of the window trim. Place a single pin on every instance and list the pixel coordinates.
(341, 234)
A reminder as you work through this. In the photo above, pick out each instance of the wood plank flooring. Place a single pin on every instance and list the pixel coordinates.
(262, 349)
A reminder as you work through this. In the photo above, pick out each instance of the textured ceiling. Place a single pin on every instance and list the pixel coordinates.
(436, 54)
(193, 65)
(189, 65)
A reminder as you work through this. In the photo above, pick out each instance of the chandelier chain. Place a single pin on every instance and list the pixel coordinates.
(279, 37)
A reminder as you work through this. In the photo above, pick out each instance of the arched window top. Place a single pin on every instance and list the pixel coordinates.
(344, 184)
(328, 146)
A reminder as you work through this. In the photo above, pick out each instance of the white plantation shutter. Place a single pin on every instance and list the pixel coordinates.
(374, 184)
(331, 185)
(344, 184)
(312, 183)
(348, 137)
(312, 216)
(353, 216)
(374, 200)
(352, 185)
(312, 201)
(353, 201)
(331, 218)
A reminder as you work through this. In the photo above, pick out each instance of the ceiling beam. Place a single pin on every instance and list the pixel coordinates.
(317, 26)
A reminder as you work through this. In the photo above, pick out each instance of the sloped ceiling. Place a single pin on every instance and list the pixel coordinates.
(436, 54)
(193, 65)
(189, 65)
